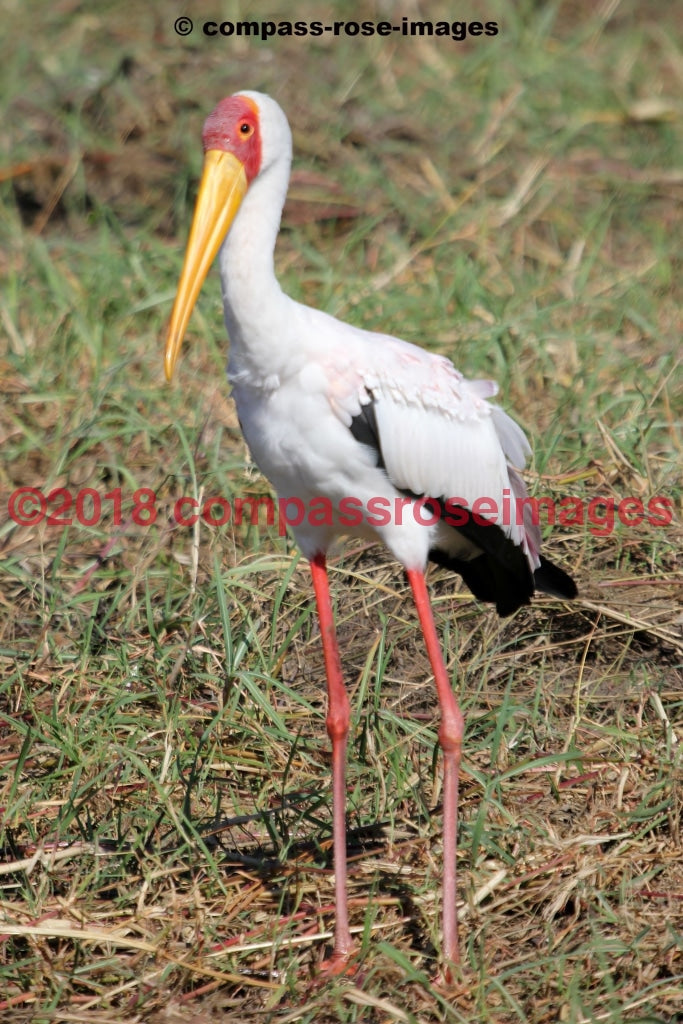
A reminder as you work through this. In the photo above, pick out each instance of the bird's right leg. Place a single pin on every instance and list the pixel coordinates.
(451, 732)
(338, 715)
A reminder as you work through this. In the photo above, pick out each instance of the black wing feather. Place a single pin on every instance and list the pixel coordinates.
(501, 574)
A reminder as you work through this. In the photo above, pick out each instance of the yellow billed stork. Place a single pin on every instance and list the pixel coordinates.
(369, 422)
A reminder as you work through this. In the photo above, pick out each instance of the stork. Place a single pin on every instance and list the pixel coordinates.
(401, 446)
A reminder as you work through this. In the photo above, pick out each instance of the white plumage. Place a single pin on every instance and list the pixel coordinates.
(360, 421)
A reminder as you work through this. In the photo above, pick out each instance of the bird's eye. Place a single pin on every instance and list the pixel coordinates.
(246, 129)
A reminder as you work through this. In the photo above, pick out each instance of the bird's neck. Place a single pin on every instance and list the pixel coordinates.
(254, 305)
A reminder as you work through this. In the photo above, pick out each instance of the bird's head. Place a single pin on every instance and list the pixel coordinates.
(242, 137)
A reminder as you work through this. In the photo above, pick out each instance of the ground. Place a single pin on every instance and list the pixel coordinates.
(511, 200)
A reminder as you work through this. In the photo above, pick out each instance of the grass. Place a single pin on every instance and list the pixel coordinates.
(165, 830)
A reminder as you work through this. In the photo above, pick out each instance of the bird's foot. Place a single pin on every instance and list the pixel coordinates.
(339, 963)
(448, 974)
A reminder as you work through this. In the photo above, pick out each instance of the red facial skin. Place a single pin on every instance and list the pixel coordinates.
(234, 127)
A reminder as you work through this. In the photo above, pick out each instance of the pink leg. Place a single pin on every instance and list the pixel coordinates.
(451, 732)
(338, 715)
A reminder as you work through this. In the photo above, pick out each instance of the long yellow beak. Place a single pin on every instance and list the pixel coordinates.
(221, 190)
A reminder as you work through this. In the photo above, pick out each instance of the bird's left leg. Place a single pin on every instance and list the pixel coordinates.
(451, 731)
(338, 715)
